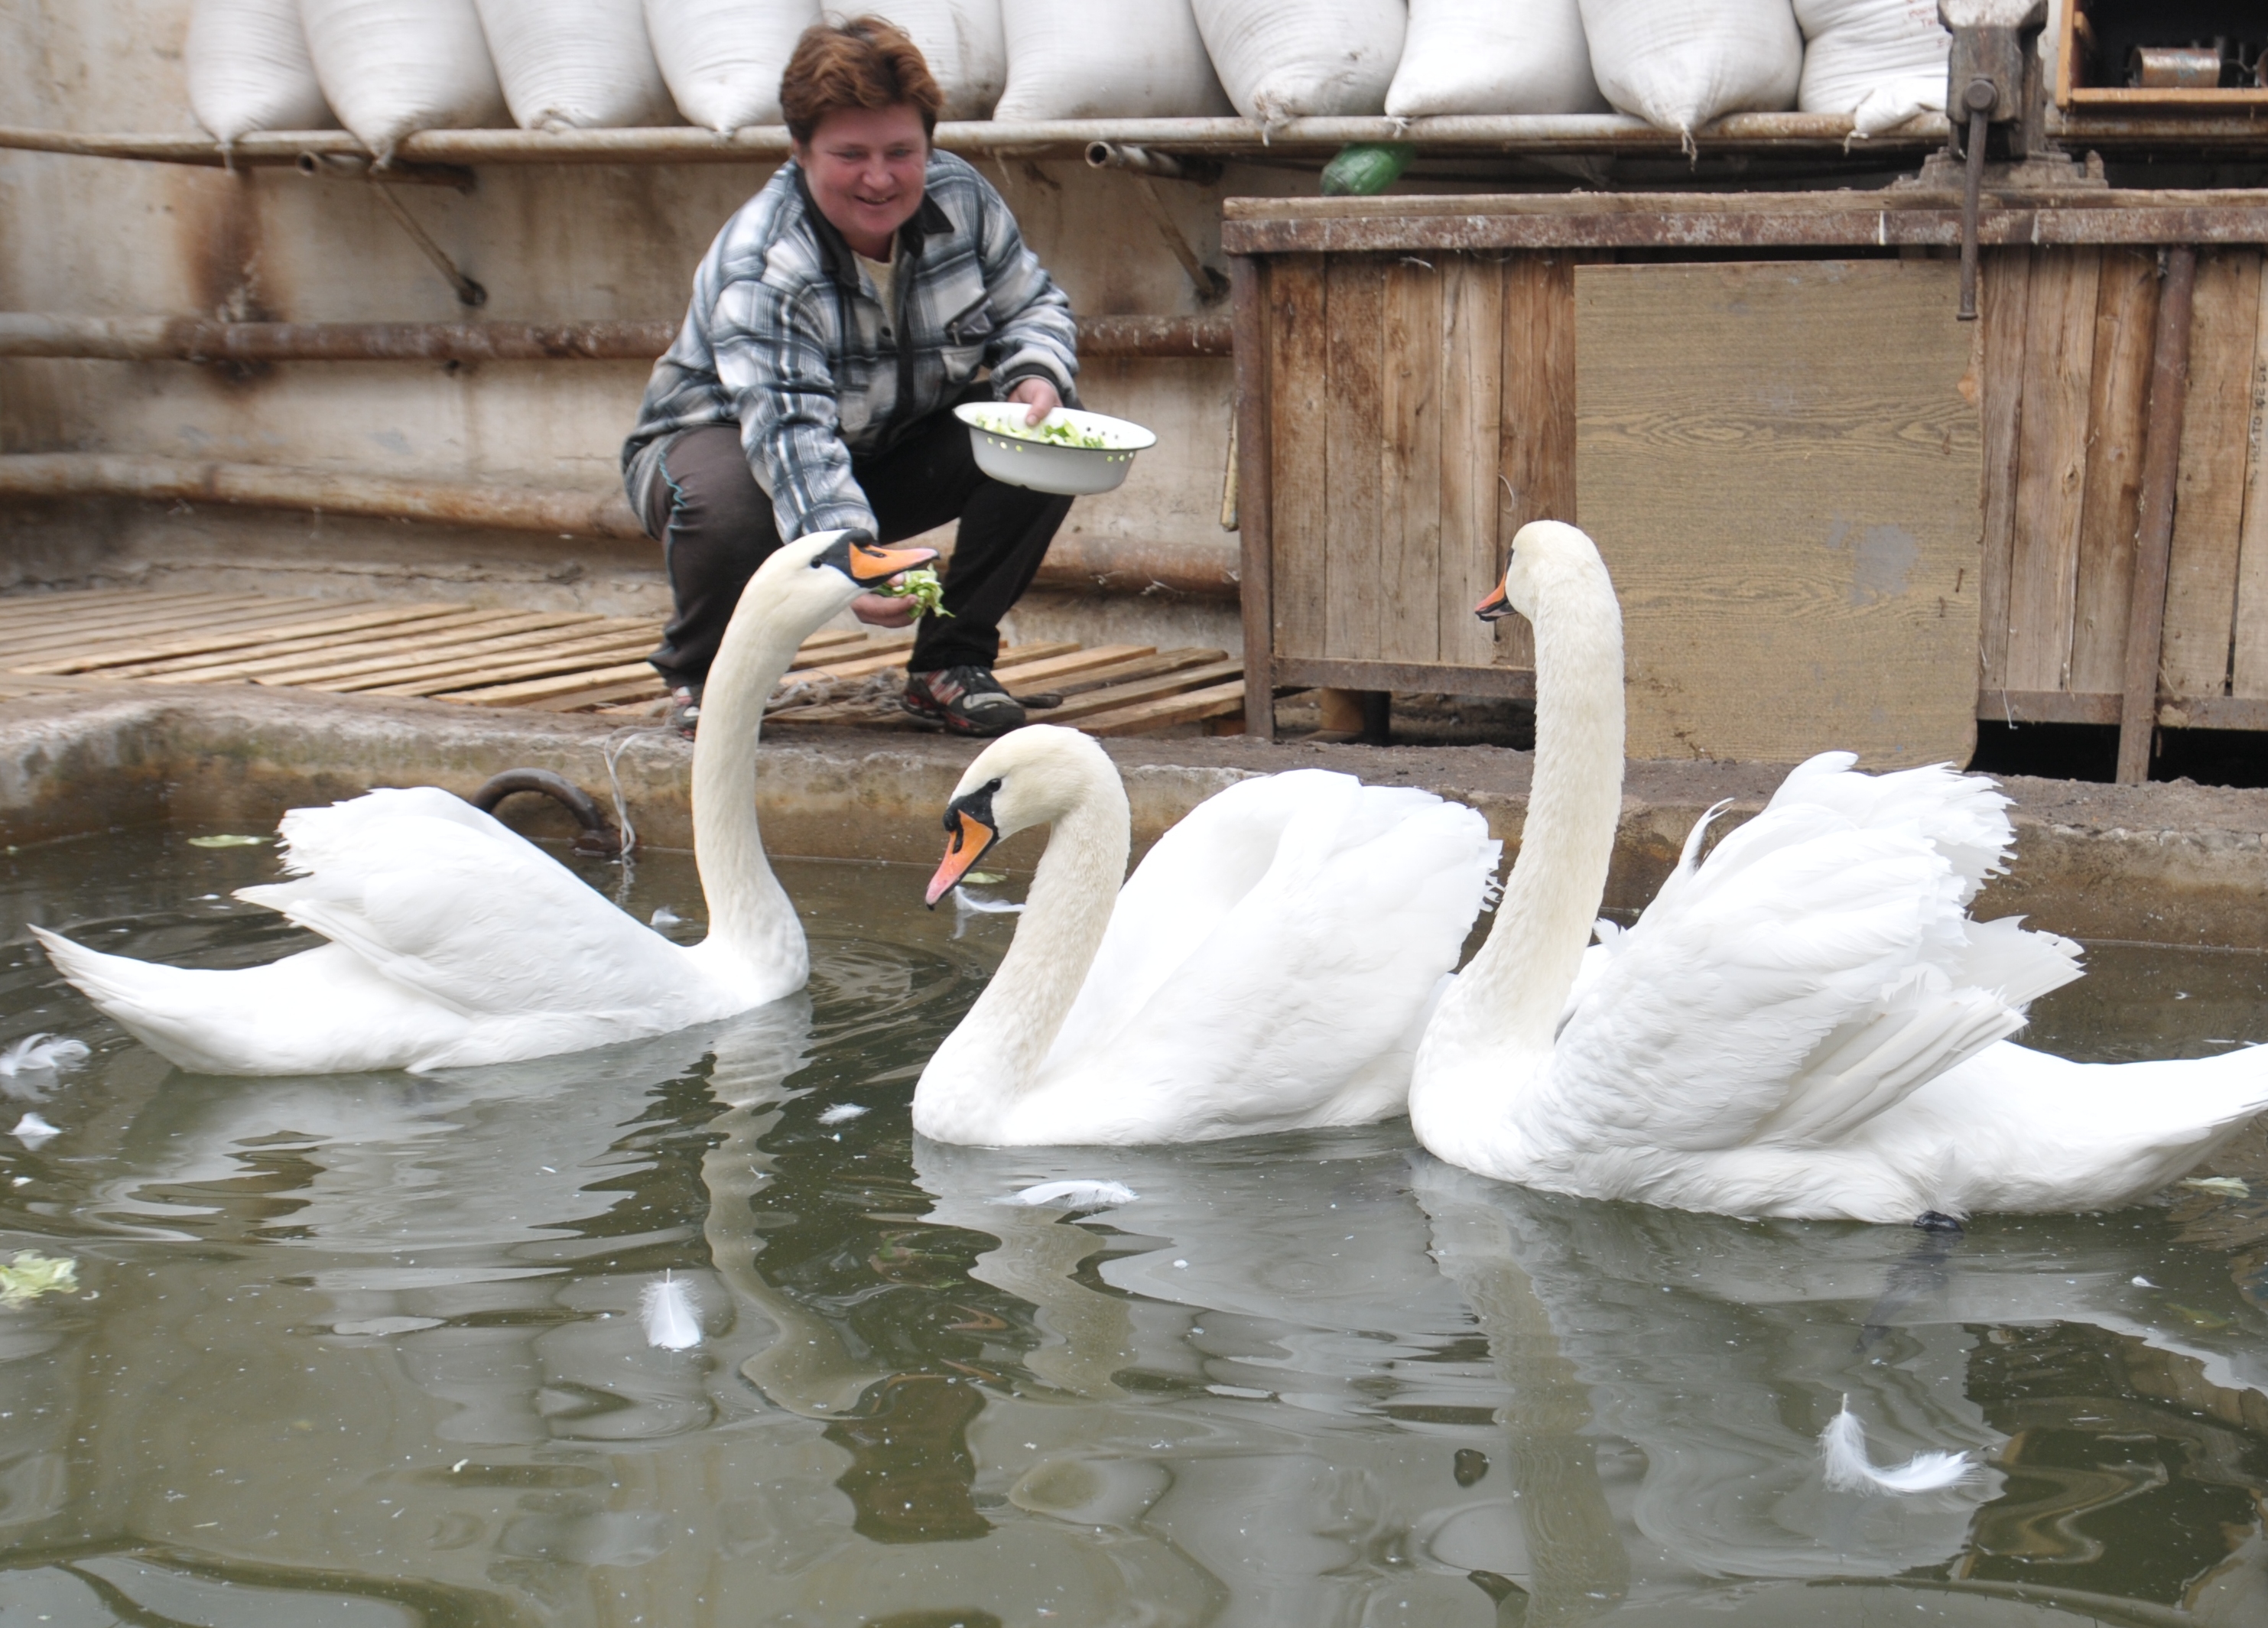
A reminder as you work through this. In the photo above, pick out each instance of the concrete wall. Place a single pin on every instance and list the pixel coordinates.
(97, 236)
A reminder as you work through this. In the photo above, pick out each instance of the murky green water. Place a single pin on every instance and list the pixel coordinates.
(366, 1351)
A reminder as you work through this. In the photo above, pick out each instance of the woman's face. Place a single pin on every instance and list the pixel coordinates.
(864, 167)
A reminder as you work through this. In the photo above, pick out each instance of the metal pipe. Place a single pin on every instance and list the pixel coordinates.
(1143, 161)
(352, 166)
(1073, 564)
(189, 339)
(769, 143)
(2153, 540)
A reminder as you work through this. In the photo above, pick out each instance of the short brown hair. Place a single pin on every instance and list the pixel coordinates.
(866, 62)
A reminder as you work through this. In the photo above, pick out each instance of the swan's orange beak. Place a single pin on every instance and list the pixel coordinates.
(872, 563)
(971, 837)
(1495, 607)
(972, 828)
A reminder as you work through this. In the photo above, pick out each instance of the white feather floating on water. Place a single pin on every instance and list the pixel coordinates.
(671, 1322)
(1075, 1195)
(39, 1054)
(842, 1113)
(34, 1132)
(1843, 1444)
(664, 916)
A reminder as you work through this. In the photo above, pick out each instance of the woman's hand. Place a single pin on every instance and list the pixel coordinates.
(1039, 398)
(884, 610)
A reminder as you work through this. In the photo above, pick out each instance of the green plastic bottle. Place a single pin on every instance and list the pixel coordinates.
(1364, 168)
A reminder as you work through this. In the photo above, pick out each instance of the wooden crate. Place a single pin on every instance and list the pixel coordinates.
(1361, 461)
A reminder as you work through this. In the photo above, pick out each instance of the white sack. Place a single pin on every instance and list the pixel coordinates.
(1296, 59)
(966, 46)
(575, 64)
(249, 70)
(1679, 64)
(723, 58)
(391, 67)
(1130, 59)
(1494, 57)
(1880, 61)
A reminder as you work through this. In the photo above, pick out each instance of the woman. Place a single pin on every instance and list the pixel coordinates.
(836, 321)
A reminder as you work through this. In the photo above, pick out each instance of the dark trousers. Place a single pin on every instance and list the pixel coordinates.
(718, 528)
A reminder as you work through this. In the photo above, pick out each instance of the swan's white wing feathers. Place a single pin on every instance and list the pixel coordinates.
(1964, 817)
(440, 899)
(1324, 966)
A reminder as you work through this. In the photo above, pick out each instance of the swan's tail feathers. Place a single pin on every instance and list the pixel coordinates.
(671, 1323)
(1873, 1063)
(1843, 1448)
(153, 1002)
(2018, 966)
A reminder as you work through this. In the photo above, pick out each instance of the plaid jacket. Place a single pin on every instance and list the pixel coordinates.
(786, 338)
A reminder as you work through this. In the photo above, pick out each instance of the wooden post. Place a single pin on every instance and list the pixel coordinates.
(2154, 542)
(1248, 320)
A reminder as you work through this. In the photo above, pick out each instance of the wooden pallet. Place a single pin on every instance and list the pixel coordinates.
(551, 661)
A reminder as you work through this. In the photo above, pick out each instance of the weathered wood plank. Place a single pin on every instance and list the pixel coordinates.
(65, 633)
(224, 645)
(2126, 306)
(2248, 658)
(1120, 695)
(2006, 303)
(1536, 434)
(1217, 701)
(1472, 428)
(1299, 381)
(1405, 590)
(521, 693)
(1781, 463)
(1249, 440)
(1077, 663)
(2051, 465)
(1356, 433)
(2209, 505)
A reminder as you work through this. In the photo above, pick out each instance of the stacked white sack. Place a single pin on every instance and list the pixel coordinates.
(1494, 57)
(575, 64)
(391, 67)
(1297, 59)
(1679, 64)
(723, 59)
(967, 49)
(1134, 59)
(1880, 61)
(249, 70)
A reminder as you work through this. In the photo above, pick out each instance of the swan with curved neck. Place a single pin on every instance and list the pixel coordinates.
(454, 940)
(1809, 1024)
(1268, 967)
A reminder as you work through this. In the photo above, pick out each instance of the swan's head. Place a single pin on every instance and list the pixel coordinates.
(1545, 553)
(806, 581)
(1028, 777)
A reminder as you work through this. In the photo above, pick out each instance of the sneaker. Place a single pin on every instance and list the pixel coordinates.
(685, 710)
(967, 701)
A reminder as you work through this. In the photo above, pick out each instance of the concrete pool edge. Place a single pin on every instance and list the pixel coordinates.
(2169, 864)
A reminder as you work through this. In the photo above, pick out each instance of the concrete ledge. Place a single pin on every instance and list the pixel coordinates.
(2175, 864)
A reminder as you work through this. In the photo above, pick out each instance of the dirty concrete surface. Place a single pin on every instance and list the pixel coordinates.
(2171, 864)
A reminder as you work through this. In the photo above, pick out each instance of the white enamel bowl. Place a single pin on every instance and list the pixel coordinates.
(1044, 465)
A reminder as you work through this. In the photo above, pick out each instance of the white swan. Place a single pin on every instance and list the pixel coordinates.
(1268, 967)
(1809, 1024)
(455, 941)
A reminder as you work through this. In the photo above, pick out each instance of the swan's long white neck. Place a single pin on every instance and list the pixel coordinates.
(995, 1054)
(751, 921)
(1497, 1022)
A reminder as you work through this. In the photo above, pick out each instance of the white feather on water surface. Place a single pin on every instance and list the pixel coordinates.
(34, 1132)
(1075, 1195)
(672, 1323)
(842, 1113)
(41, 1054)
(1843, 1448)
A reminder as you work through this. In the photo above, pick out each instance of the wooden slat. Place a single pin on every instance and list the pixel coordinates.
(225, 645)
(2051, 465)
(68, 618)
(1218, 701)
(1117, 697)
(2209, 505)
(1472, 397)
(2248, 658)
(1077, 663)
(2126, 306)
(1405, 591)
(1250, 438)
(447, 672)
(596, 657)
(38, 609)
(1017, 657)
(844, 647)
(2007, 277)
(256, 661)
(1298, 372)
(1143, 666)
(428, 642)
(604, 697)
(521, 692)
(1354, 433)
(1536, 428)
(61, 635)
(1780, 463)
